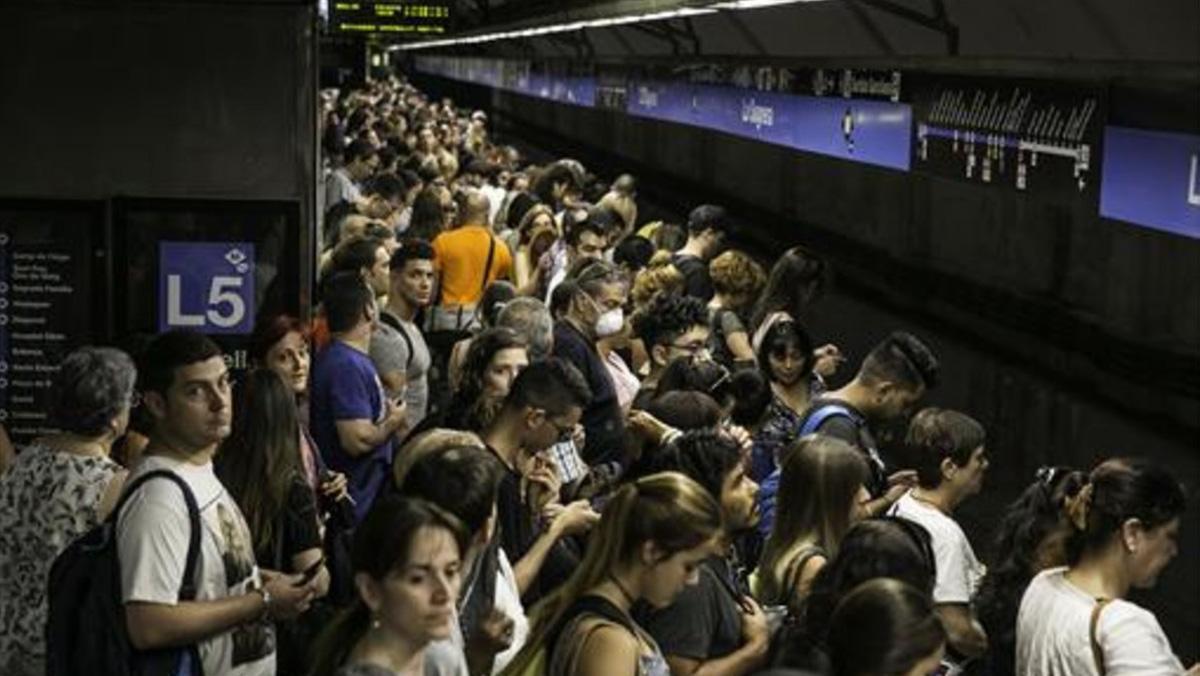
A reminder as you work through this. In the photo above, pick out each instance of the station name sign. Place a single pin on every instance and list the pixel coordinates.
(389, 18)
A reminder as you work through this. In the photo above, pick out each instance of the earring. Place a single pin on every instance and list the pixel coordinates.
(375, 622)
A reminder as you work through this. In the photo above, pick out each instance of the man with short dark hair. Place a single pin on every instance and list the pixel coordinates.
(584, 238)
(948, 448)
(894, 376)
(344, 184)
(398, 347)
(543, 407)
(185, 387)
(713, 626)
(707, 226)
(352, 419)
(368, 256)
(673, 326)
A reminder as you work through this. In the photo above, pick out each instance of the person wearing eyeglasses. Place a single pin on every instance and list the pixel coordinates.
(671, 326)
(543, 407)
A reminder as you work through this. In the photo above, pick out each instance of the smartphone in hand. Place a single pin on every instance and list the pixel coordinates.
(309, 573)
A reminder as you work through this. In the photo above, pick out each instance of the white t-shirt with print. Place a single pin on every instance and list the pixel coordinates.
(958, 570)
(1053, 634)
(152, 541)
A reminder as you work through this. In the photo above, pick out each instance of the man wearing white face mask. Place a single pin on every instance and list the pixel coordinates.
(598, 292)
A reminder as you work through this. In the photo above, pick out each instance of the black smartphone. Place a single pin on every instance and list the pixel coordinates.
(310, 572)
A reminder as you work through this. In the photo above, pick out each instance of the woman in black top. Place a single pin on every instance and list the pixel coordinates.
(259, 464)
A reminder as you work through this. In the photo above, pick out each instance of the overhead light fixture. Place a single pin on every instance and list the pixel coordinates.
(559, 28)
(755, 4)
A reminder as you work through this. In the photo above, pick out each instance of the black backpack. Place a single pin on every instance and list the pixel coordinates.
(85, 629)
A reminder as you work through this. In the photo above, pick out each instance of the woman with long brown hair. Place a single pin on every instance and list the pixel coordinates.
(821, 490)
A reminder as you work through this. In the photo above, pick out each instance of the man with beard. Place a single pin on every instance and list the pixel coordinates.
(398, 348)
(714, 625)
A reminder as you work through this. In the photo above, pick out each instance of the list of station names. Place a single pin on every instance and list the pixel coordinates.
(45, 312)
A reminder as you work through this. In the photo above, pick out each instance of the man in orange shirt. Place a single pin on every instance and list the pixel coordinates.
(469, 258)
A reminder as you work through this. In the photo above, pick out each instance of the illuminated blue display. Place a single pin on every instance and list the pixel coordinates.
(1152, 178)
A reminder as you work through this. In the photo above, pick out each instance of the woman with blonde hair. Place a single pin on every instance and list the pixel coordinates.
(821, 492)
(535, 234)
(653, 536)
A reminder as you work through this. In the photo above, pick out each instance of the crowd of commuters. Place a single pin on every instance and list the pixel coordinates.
(528, 434)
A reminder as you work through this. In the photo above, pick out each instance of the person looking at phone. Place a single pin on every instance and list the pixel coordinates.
(714, 626)
(543, 407)
(260, 466)
(893, 378)
(647, 550)
(185, 387)
(353, 421)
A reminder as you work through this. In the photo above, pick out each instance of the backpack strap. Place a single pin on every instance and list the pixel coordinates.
(1094, 636)
(817, 417)
(387, 318)
(187, 590)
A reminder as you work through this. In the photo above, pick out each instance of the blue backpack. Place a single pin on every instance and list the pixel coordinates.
(85, 629)
(769, 487)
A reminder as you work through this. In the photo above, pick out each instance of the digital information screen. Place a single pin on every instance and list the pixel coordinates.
(388, 18)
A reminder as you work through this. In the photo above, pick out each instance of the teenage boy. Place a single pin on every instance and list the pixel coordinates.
(185, 386)
(707, 226)
(948, 448)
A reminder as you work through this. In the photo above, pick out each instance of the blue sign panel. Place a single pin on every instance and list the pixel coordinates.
(869, 131)
(1152, 178)
(206, 286)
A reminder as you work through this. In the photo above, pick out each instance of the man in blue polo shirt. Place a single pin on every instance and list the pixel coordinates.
(353, 422)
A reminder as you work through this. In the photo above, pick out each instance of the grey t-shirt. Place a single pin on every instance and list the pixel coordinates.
(390, 352)
(703, 623)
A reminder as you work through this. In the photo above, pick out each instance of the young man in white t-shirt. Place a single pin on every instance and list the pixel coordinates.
(185, 387)
(948, 450)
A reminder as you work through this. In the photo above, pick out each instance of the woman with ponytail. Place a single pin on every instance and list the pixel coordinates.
(1074, 621)
(407, 564)
(649, 544)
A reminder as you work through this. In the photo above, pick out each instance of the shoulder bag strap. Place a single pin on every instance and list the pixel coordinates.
(487, 267)
(1094, 636)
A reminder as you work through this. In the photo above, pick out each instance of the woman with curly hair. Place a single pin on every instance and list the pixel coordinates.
(737, 280)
